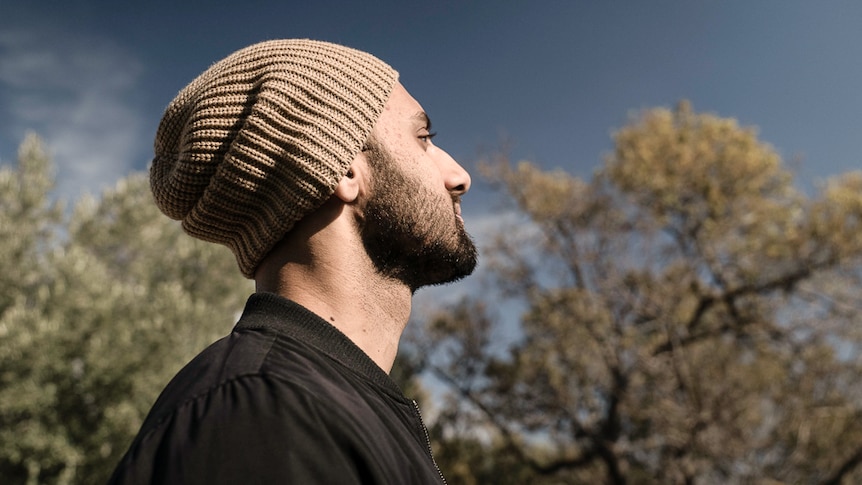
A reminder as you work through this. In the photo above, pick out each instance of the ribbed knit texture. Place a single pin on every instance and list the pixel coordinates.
(262, 138)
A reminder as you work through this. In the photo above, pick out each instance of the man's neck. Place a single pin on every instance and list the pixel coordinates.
(342, 288)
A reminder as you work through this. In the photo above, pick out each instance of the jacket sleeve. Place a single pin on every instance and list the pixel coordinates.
(249, 430)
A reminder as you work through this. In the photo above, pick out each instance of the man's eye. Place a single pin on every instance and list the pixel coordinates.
(427, 138)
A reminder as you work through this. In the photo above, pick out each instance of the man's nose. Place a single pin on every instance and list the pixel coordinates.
(456, 179)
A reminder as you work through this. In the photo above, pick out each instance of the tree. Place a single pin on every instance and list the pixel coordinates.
(689, 316)
(98, 310)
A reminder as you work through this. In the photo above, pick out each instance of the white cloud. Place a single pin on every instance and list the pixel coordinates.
(76, 92)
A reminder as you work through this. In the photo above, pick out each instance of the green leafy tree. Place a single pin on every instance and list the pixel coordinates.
(689, 316)
(97, 311)
(27, 227)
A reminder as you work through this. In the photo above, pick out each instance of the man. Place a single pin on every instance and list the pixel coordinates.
(316, 167)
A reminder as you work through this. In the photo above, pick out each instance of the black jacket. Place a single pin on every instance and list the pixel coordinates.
(285, 398)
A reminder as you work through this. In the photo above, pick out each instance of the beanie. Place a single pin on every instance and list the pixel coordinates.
(262, 138)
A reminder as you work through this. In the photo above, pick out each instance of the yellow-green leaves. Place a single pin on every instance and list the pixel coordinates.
(689, 316)
(698, 168)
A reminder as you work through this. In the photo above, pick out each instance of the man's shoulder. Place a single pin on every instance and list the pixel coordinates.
(261, 396)
(260, 363)
(230, 387)
(223, 362)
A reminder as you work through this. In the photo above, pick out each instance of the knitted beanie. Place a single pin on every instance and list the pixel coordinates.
(262, 138)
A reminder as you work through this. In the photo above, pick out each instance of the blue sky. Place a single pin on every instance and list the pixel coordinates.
(555, 77)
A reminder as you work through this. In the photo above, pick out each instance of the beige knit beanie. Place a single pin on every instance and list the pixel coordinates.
(262, 138)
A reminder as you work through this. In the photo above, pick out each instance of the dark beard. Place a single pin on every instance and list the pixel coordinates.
(406, 232)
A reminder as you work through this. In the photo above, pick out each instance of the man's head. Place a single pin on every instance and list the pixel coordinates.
(411, 223)
(262, 138)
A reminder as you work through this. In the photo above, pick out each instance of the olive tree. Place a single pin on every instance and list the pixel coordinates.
(99, 307)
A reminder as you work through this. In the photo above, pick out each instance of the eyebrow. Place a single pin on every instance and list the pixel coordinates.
(423, 118)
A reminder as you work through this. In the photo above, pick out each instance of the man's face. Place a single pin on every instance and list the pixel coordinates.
(411, 224)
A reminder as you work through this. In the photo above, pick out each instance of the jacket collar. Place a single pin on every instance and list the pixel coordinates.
(271, 311)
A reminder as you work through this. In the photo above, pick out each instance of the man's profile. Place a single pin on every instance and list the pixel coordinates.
(315, 166)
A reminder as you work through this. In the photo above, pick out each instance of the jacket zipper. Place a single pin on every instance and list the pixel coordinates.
(428, 440)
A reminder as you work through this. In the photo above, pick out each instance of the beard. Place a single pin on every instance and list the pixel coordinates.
(409, 231)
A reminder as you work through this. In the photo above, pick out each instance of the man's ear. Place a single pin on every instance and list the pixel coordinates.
(350, 186)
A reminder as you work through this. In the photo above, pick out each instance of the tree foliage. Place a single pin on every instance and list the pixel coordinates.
(689, 316)
(98, 309)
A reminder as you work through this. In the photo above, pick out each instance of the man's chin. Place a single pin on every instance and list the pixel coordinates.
(455, 266)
